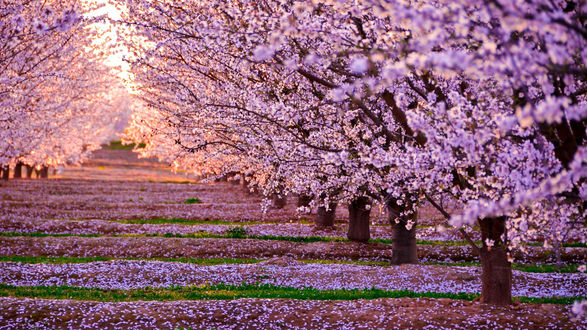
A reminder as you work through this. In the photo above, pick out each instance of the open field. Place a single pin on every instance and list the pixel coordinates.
(123, 242)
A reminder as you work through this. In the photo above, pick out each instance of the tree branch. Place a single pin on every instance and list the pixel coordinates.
(447, 216)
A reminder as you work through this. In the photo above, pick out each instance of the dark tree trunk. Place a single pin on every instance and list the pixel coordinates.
(326, 218)
(18, 170)
(304, 200)
(359, 211)
(5, 172)
(279, 201)
(403, 242)
(223, 178)
(44, 172)
(496, 280)
(230, 177)
(29, 171)
(248, 185)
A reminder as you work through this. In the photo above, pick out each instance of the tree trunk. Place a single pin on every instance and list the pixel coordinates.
(18, 170)
(44, 172)
(496, 280)
(279, 201)
(29, 171)
(231, 177)
(326, 218)
(222, 178)
(304, 200)
(403, 242)
(359, 211)
(5, 172)
(248, 185)
(558, 248)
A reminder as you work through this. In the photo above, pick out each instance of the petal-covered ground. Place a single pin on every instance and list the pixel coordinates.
(119, 207)
(162, 247)
(183, 227)
(284, 272)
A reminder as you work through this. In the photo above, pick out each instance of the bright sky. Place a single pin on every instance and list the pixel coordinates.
(109, 31)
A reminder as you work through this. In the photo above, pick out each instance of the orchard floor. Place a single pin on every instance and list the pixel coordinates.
(126, 243)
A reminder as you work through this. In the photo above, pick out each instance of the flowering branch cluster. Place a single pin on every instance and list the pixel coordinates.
(480, 102)
(55, 92)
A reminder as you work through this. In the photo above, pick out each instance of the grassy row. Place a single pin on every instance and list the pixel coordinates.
(240, 233)
(172, 181)
(182, 221)
(117, 145)
(223, 291)
(187, 222)
(532, 268)
(235, 232)
(192, 222)
(529, 268)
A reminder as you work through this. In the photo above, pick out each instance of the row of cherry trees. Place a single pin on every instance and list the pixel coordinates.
(479, 103)
(55, 91)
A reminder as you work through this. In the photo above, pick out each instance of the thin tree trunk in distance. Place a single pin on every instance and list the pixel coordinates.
(359, 211)
(44, 172)
(29, 171)
(5, 172)
(18, 170)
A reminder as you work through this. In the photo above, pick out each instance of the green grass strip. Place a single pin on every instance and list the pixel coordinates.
(181, 221)
(223, 291)
(236, 233)
(175, 181)
(117, 145)
(190, 222)
(546, 268)
(302, 239)
(187, 222)
(529, 268)
(172, 181)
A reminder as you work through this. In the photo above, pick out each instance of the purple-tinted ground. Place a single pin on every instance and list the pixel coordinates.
(115, 192)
